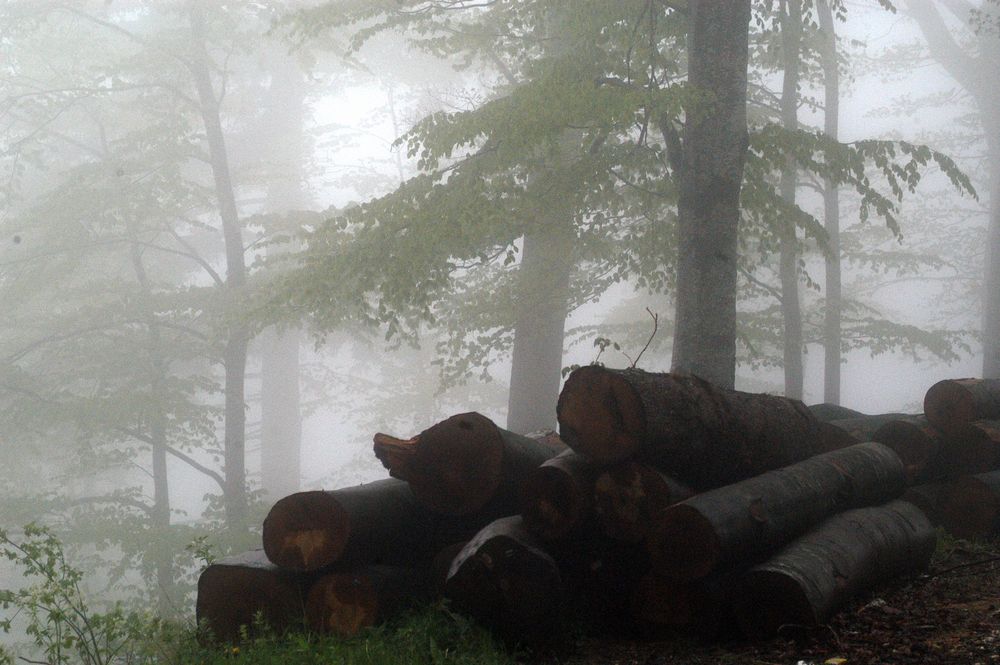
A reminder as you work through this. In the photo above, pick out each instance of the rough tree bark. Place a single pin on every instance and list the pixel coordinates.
(713, 155)
(952, 403)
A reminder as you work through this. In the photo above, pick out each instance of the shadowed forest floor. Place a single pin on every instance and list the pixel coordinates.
(950, 615)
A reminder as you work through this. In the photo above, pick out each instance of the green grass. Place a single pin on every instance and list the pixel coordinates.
(433, 635)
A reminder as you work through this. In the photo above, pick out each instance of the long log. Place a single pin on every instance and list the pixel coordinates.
(951, 403)
(379, 522)
(629, 496)
(557, 498)
(969, 506)
(345, 602)
(700, 434)
(505, 579)
(842, 557)
(826, 412)
(234, 591)
(740, 523)
(461, 464)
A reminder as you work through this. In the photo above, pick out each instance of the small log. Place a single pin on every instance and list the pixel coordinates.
(503, 578)
(629, 496)
(972, 448)
(969, 506)
(744, 521)
(918, 445)
(702, 435)
(378, 522)
(345, 602)
(461, 464)
(951, 403)
(845, 555)
(234, 591)
(826, 412)
(557, 498)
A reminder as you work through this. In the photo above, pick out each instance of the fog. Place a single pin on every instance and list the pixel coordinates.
(181, 181)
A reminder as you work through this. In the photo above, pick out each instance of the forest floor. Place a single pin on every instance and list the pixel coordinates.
(950, 615)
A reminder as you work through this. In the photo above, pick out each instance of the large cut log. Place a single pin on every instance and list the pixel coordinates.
(845, 555)
(826, 412)
(505, 579)
(234, 591)
(629, 496)
(951, 403)
(739, 523)
(969, 506)
(461, 464)
(972, 448)
(700, 434)
(917, 443)
(379, 522)
(557, 498)
(345, 602)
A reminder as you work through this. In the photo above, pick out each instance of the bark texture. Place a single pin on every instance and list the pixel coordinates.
(952, 403)
(628, 498)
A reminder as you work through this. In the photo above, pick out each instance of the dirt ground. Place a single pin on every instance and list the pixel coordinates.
(950, 615)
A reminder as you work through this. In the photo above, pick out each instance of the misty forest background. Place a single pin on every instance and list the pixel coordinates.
(236, 239)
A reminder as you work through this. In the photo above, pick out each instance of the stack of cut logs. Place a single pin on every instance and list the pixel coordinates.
(676, 505)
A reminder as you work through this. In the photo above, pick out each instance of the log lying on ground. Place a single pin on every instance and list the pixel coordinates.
(917, 443)
(951, 403)
(845, 555)
(926, 497)
(969, 506)
(557, 498)
(597, 575)
(740, 523)
(503, 578)
(629, 496)
(700, 434)
(826, 412)
(345, 602)
(461, 464)
(234, 591)
(378, 522)
(972, 448)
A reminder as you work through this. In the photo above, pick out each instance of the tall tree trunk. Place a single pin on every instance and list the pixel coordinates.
(791, 312)
(831, 210)
(991, 282)
(714, 152)
(542, 307)
(281, 417)
(235, 352)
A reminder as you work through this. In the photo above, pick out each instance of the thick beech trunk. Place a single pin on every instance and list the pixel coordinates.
(461, 464)
(503, 578)
(345, 602)
(827, 411)
(739, 523)
(629, 496)
(845, 555)
(558, 496)
(969, 507)
(379, 522)
(233, 591)
(700, 434)
(951, 403)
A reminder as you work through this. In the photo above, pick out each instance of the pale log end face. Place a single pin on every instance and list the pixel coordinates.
(342, 604)
(306, 531)
(949, 404)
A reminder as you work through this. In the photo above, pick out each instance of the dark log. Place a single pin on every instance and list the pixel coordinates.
(845, 555)
(951, 403)
(862, 429)
(597, 575)
(701, 607)
(461, 464)
(826, 412)
(345, 602)
(504, 578)
(628, 497)
(972, 448)
(234, 591)
(379, 522)
(702, 435)
(557, 498)
(441, 565)
(969, 506)
(917, 443)
(740, 523)
(926, 497)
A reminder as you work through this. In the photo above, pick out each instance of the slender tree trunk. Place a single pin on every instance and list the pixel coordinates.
(991, 282)
(235, 352)
(791, 312)
(714, 152)
(831, 210)
(542, 307)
